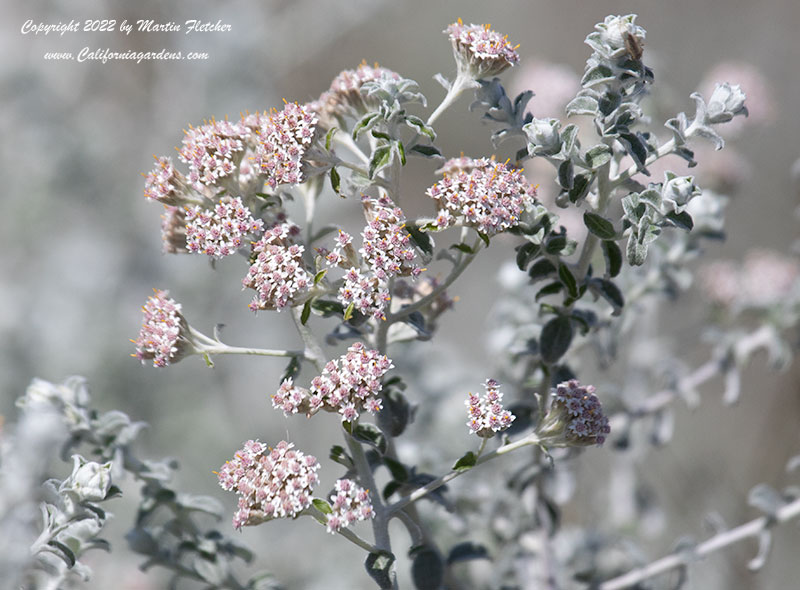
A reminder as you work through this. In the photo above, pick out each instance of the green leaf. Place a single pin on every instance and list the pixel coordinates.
(63, 552)
(525, 253)
(466, 551)
(420, 238)
(371, 435)
(397, 469)
(322, 506)
(484, 237)
(401, 150)
(429, 151)
(379, 567)
(566, 174)
(336, 181)
(683, 220)
(292, 369)
(304, 315)
(555, 339)
(636, 147)
(612, 294)
(582, 105)
(613, 256)
(541, 269)
(597, 155)
(348, 313)
(461, 247)
(597, 74)
(555, 243)
(320, 275)
(328, 308)
(339, 456)
(466, 462)
(329, 137)
(427, 568)
(580, 187)
(636, 252)
(381, 135)
(364, 123)
(380, 158)
(420, 126)
(550, 289)
(568, 279)
(569, 139)
(599, 226)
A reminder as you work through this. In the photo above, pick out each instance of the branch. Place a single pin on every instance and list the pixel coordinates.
(715, 543)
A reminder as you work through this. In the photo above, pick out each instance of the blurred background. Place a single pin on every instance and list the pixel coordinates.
(81, 247)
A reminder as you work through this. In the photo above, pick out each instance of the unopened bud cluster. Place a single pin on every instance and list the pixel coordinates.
(271, 483)
(575, 417)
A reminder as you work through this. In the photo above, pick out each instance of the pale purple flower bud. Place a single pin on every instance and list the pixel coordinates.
(575, 418)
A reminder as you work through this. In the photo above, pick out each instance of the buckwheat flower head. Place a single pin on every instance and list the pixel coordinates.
(271, 483)
(348, 385)
(575, 418)
(482, 194)
(173, 230)
(344, 97)
(283, 141)
(480, 51)
(220, 231)
(164, 337)
(212, 151)
(277, 274)
(386, 246)
(368, 294)
(486, 413)
(164, 183)
(350, 503)
(343, 253)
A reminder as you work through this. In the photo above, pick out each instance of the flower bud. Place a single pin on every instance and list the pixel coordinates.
(575, 418)
(543, 137)
(89, 480)
(726, 102)
(677, 191)
(618, 33)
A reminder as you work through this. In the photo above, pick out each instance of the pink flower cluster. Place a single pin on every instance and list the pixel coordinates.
(575, 417)
(220, 232)
(164, 183)
(387, 252)
(163, 336)
(386, 246)
(211, 151)
(283, 141)
(483, 194)
(486, 412)
(480, 50)
(344, 97)
(271, 483)
(348, 386)
(350, 503)
(277, 274)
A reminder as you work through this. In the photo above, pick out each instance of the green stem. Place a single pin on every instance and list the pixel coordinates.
(346, 533)
(531, 439)
(459, 85)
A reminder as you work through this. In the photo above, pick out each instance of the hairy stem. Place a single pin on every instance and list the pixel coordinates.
(751, 529)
